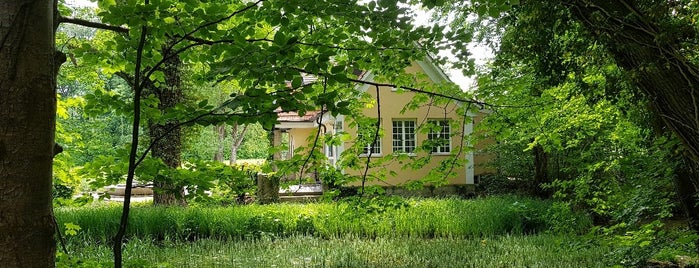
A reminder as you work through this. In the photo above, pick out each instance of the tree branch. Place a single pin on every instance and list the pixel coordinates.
(138, 89)
(92, 24)
(315, 142)
(376, 137)
(478, 103)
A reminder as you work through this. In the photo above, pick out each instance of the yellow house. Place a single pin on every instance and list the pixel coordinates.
(436, 135)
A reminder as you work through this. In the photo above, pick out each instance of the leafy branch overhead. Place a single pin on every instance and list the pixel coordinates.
(263, 48)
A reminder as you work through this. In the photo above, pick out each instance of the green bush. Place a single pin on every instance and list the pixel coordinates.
(493, 184)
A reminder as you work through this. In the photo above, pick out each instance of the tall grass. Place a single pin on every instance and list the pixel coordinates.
(544, 250)
(421, 218)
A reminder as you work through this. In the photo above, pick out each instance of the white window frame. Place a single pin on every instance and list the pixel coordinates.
(444, 133)
(374, 148)
(401, 136)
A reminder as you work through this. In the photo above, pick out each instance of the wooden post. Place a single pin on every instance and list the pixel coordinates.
(267, 189)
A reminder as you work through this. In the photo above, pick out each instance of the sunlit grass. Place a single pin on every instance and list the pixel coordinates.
(491, 232)
(422, 218)
(542, 250)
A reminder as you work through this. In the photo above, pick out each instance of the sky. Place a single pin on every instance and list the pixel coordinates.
(480, 53)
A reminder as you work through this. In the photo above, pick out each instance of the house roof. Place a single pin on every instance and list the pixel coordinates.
(310, 116)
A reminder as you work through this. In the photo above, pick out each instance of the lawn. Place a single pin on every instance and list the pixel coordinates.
(540, 250)
(501, 231)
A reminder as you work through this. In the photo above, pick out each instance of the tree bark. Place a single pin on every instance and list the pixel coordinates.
(686, 188)
(236, 141)
(540, 171)
(28, 66)
(169, 147)
(220, 132)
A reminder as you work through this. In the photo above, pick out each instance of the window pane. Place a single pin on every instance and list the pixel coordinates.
(403, 136)
(441, 140)
(375, 148)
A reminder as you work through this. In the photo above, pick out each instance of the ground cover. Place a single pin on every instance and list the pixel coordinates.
(541, 250)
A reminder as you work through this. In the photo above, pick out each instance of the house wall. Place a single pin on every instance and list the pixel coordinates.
(298, 137)
(391, 104)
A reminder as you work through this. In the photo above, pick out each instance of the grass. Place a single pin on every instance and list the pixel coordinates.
(503, 231)
(417, 218)
(542, 250)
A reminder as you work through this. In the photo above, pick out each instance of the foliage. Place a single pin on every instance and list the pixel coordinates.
(568, 121)
(650, 242)
(494, 184)
(232, 184)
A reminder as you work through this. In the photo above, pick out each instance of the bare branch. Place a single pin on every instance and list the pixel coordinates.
(376, 137)
(315, 142)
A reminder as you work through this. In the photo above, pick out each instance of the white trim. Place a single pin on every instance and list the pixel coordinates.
(435, 73)
(368, 147)
(327, 117)
(470, 170)
(367, 77)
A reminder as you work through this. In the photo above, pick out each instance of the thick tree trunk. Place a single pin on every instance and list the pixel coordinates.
(654, 59)
(27, 122)
(686, 187)
(169, 147)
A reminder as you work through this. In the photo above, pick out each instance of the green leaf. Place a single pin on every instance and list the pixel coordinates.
(337, 69)
(372, 5)
(106, 4)
(279, 38)
(169, 20)
(296, 82)
(340, 78)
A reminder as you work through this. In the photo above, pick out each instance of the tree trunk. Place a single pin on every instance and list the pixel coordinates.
(220, 132)
(686, 188)
(540, 171)
(234, 153)
(234, 143)
(236, 140)
(169, 146)
(657, 65)
(28, 66)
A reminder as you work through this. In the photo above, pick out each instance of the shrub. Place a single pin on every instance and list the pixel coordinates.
(493, 184)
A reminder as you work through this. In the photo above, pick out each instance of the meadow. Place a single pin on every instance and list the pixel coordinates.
(503, 231)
